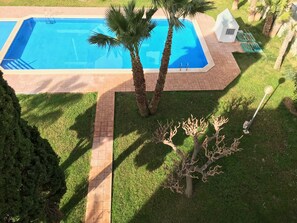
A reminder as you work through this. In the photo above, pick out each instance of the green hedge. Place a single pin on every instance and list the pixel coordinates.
(31, 182)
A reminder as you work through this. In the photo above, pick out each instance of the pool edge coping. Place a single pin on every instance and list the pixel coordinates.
(19, 22)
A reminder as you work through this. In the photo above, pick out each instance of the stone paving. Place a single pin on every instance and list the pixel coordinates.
(100, 177)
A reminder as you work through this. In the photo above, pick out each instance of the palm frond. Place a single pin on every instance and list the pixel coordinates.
(177, 9)
(176, 22)
(278, 7)
(102, 40)
(157, 3)
(195, 6)
(284, 17)
(116, 21)
(129, 9)
(150, 12)
(129, 25)
(139, 14)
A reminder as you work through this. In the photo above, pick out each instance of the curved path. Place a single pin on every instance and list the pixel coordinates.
(100, 177)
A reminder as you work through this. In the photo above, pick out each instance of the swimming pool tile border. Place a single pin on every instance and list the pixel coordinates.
(20, 21)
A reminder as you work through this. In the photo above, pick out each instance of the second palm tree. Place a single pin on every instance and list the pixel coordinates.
(131, 26)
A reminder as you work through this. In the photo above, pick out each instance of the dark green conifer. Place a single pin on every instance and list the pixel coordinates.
(31, 181)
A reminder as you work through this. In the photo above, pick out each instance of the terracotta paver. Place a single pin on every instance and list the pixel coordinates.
(100, 177)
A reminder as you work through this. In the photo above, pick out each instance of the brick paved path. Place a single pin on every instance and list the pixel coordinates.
(100, 177)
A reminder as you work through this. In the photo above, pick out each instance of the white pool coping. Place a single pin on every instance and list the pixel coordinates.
(19, 22)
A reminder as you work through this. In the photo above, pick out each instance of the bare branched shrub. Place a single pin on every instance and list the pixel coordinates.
(212, 148)
(165, 133)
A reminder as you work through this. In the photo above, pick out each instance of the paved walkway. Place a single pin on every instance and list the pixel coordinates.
(100, 177)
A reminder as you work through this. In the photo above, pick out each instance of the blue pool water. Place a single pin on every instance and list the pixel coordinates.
(62, 44)
(5, 29)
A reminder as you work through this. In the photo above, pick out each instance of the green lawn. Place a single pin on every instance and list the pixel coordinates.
(66, 121)
(259, 184)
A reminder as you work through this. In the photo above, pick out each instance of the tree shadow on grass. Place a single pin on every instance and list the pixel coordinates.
(153, 155)
(242, 3)
(236, 188)
(84, 134)
(147, 149)
(81, 191)
(235, 104)
(248, 191)
(79, 150)
(47, 106)
(136, 144)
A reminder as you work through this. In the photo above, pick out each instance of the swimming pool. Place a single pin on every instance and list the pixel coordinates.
(5, 30)
(61, 43)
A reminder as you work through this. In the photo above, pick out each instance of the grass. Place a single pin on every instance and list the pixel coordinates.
(258, 184)
(66, 121)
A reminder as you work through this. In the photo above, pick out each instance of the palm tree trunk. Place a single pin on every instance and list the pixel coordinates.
(235, 5)
(275, 28)
(257, 16)
(253, 4)
(162, 72)
(268, 24)
(252, 10)
(139, 84)
(283, 49)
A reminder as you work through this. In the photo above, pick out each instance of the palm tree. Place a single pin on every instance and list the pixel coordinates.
(275, 9)
(252, 10)
(174, 11)
(131, 26)
(279, 21)
(289, 37)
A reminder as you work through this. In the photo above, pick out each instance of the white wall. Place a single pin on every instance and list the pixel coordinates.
(225, 21)
(220, 32)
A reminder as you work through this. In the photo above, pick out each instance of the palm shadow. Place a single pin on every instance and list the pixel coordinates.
(245, 169)
(81, 191)
(190, 52)
(162, 203)
(145, 149)
(242, 3)
(148, 148)
(48, 105)
(159, 152)
(83, 134)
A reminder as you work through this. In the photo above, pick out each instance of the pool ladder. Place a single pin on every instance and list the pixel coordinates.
(49, 18)
(181, 66)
